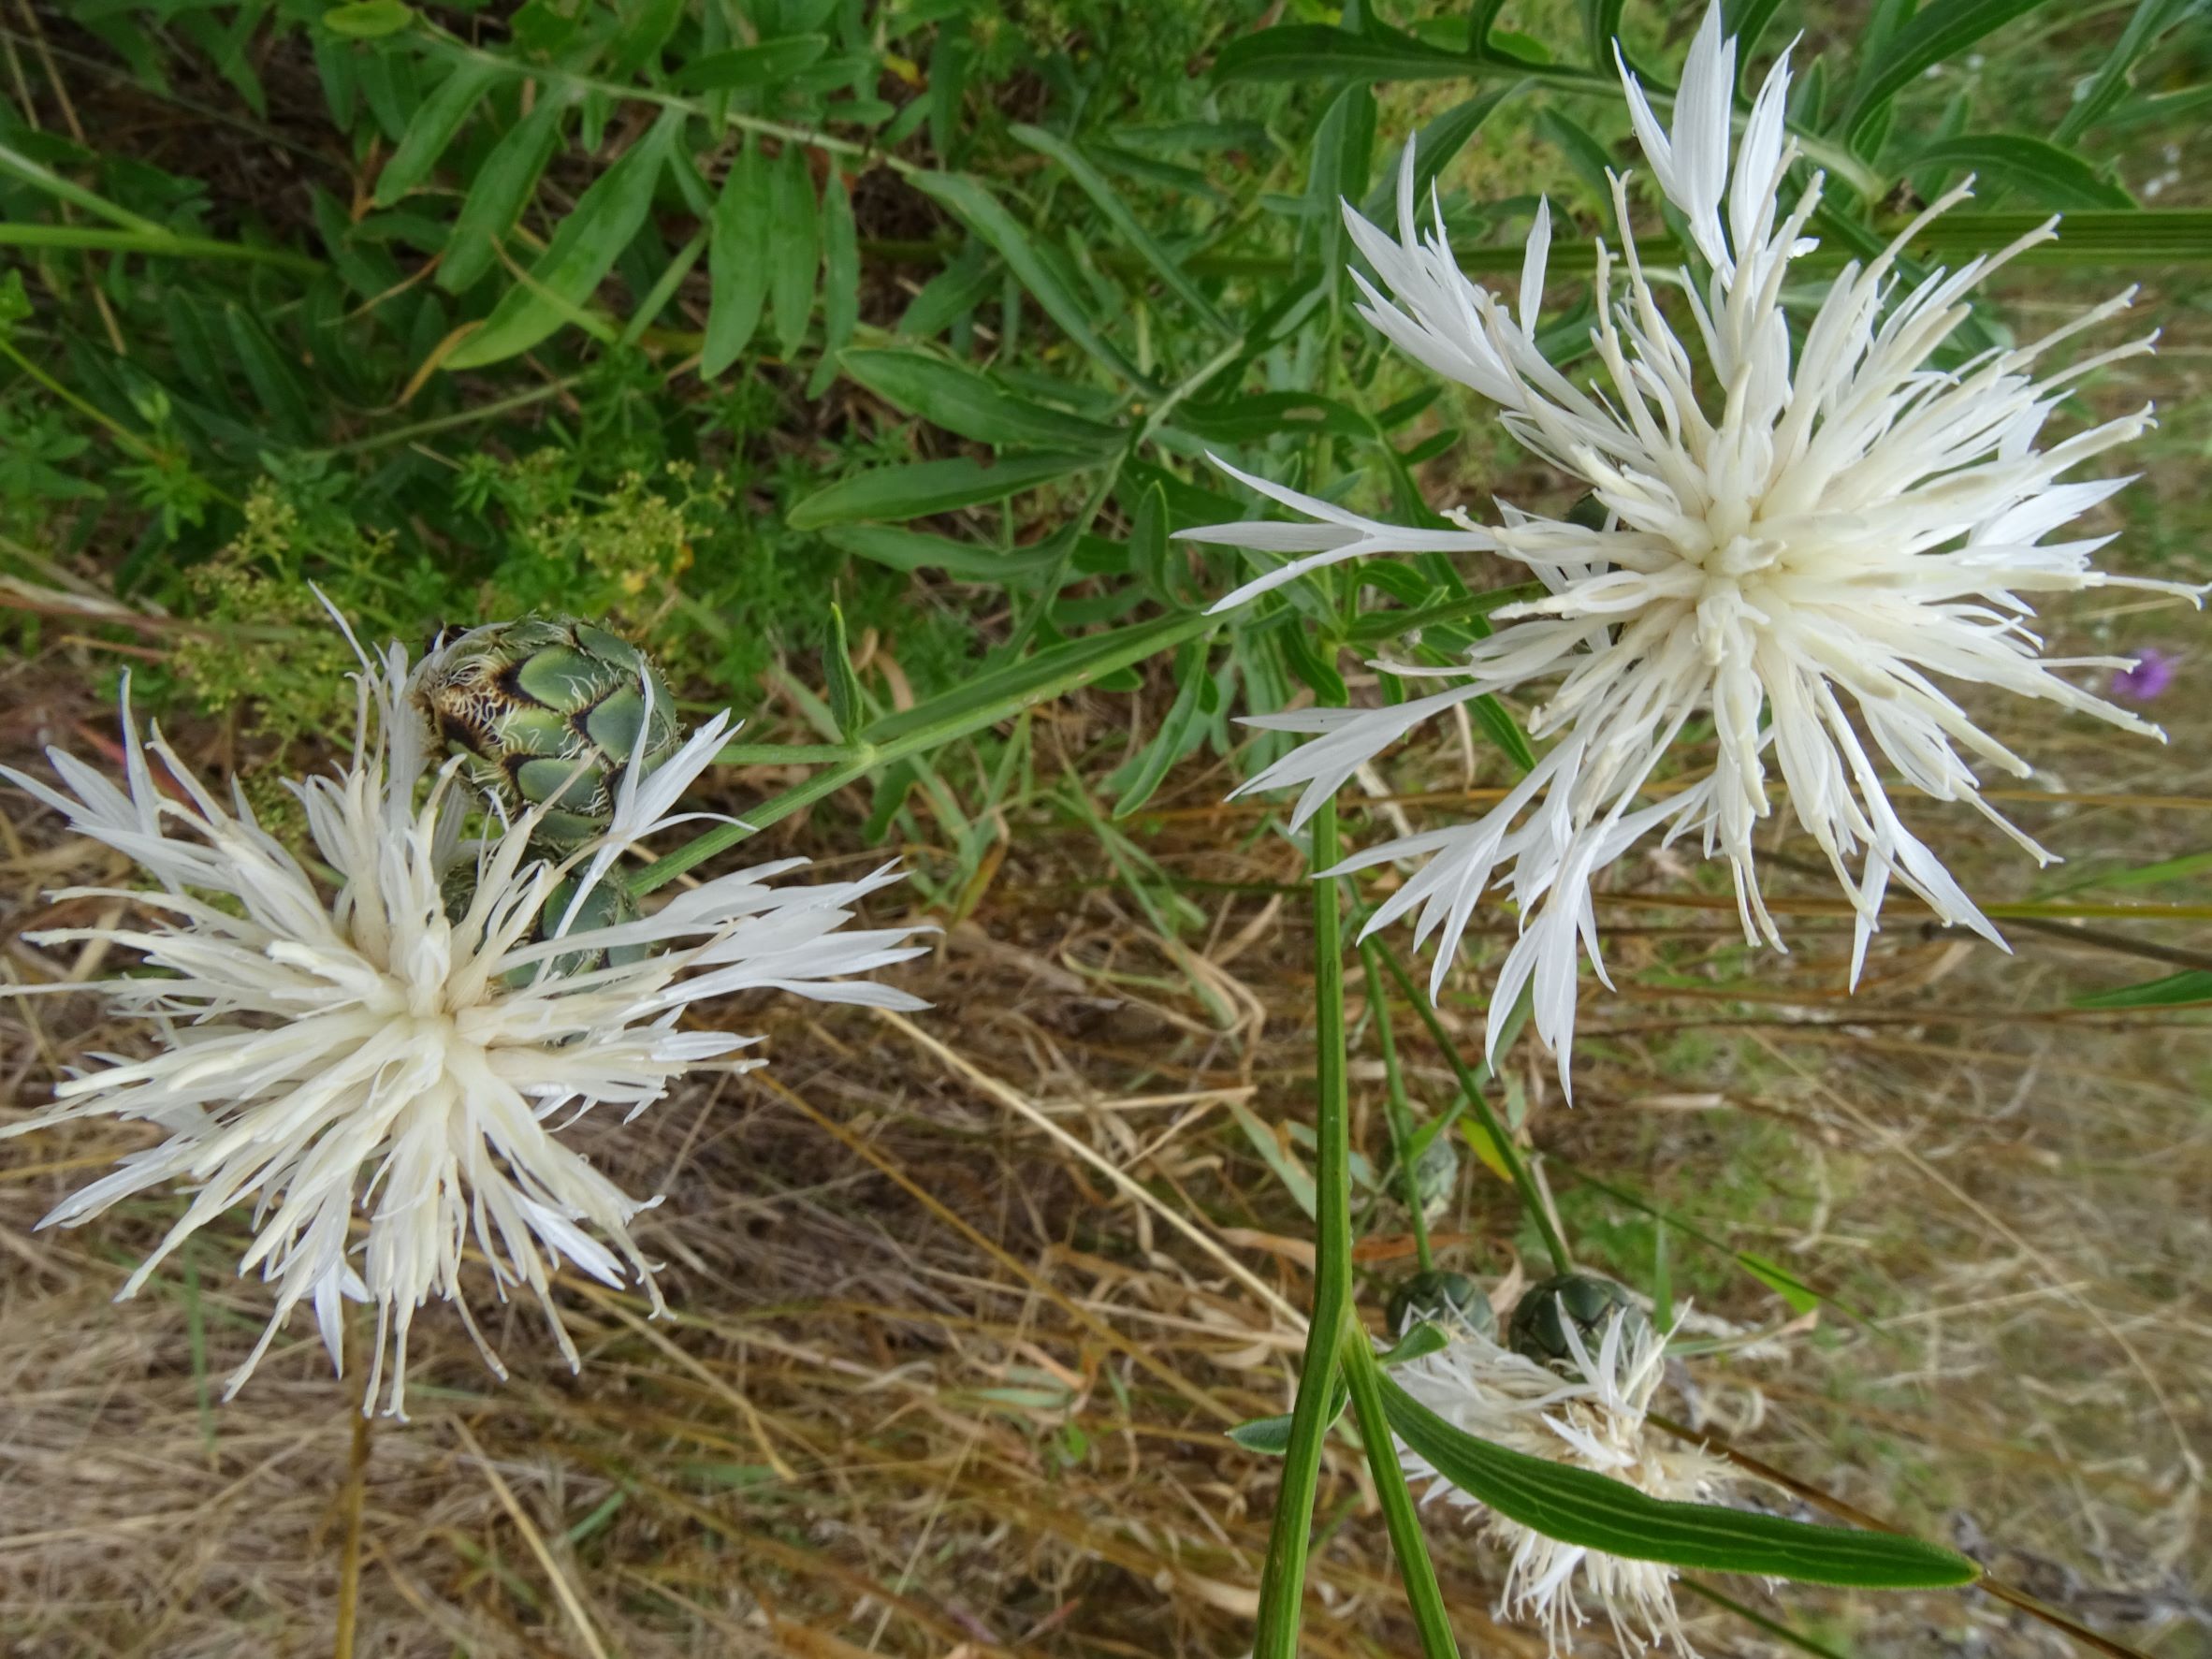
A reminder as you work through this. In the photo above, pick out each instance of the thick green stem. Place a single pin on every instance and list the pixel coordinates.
(1471, 1086)
(1423, 1595)
(1398, 1111)
(1282, 1582)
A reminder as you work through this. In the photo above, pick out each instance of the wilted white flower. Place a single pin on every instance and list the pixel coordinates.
(1798, 543)
(400, 1036)
(1592, 1420)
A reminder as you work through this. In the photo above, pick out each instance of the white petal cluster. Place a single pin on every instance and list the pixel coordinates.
(1592, 1419)
(351, 1050)
(1803, 544)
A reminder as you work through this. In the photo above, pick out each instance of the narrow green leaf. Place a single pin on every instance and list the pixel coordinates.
(2040, 171)
(434, 125)
(1178, 733)
(1945, 29)
(1779, 1279)
(1427, 1337)
(736, 266)
(745, 66)
(663, 289)
(1601, 25)
(1580, 1506)
(1584, 155)
(846, 705)
(923, 487)
(911, 549)
(840, 281)
(1148, 544)
(495, 200)
(948, 88)
(2191, 986)
(1094, 184)
(1746, 21)
(275, 380)
(369, 20)
(1314, 51)
(17, 165)
(1443, 138)
(1051, 672)
(2089, 236)
(605, 219)
(982, 213)
(959, 400)
(1271, 1435)
(2150, 18)
(1256, 415)
(795, 248)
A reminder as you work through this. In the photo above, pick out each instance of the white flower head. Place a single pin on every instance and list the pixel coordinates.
(371, 1041)
(1592, 1419)
(1800, 543)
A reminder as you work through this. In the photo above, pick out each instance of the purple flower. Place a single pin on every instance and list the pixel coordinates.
(2148, 679)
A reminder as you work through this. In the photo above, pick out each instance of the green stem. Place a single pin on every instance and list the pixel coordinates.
(157, 242)
(939, 721)
(1282, 1581)
(1471, 1084)
(619, 91)
(1423, 1595)
(443, 423)
(1398, 1109)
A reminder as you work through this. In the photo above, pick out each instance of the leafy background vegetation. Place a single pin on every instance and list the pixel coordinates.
(703, 315)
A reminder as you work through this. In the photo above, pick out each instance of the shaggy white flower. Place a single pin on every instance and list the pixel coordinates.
(367, 1041)
(1592, 1419)
(1801, 545)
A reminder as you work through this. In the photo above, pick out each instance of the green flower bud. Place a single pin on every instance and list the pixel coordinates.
(549, 714)
(1448, 1299)
(1583, 1302)
(1436, 1177)
(608, 904)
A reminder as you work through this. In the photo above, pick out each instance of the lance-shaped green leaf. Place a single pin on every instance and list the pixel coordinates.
(502, 186)
(435, 124)
(2040, 171)
(605, 220)
(737, 264)
(1314, 51)
(846, 705)
(1942, 30)
(982, 213)
(925, 487)
(1094, 184)
(911, 549)
(2191, 986)
(2151, 19)
(752, 65)
(794, 247)
(1580, 1506)
(1052, 671)
(840, 279)
(956, 398)
(1271, 1435)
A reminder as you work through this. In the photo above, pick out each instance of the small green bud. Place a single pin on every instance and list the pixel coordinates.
(1449, 1298)
(1583, 1302)
(608, 904)
(1436, 1177)
(549, 714)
